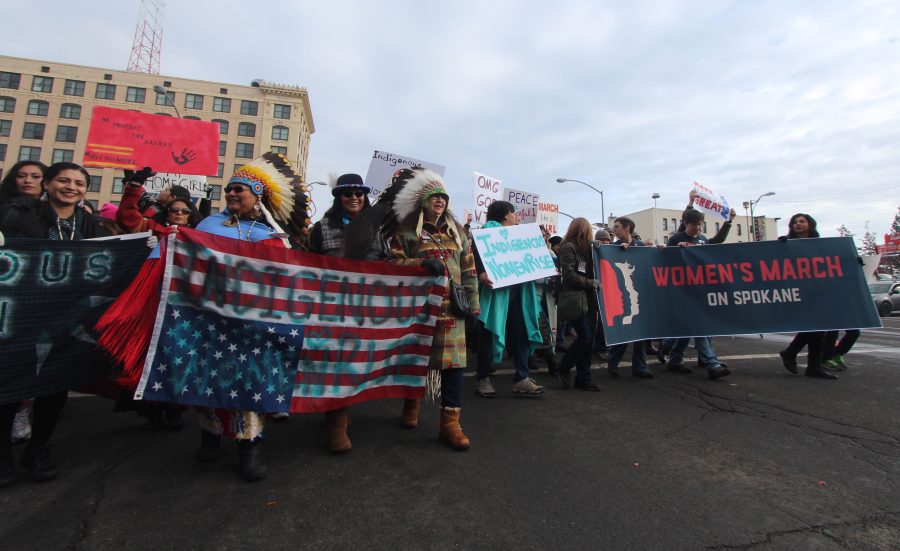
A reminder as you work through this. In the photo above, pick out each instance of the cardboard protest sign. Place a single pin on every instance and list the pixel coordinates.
(709, 201)
(195, 184)
(384, 165)
(514, 254)
(486, 190)
(526, 204)
(548, 216)
(124, 139)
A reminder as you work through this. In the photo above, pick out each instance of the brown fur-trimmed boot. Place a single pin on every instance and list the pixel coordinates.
(410, 419)
(336, 423)
(451, 432)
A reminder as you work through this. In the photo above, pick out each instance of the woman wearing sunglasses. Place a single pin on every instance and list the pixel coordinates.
(177, 211)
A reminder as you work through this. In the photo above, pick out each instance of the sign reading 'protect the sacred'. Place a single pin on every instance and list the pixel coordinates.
(124, 139)
(733, 289)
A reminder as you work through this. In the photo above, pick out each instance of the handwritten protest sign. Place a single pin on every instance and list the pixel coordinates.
(384, 165)
(526, 204)
(124, 139)
(514, 254)
(486, 190)
(709, 201)
(195, 184)
(548, 216)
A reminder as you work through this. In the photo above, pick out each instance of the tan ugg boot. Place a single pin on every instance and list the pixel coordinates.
(451, 432)
(410, 419)
(336, 423)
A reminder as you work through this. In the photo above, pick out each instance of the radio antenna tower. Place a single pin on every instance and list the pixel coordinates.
(147, 38)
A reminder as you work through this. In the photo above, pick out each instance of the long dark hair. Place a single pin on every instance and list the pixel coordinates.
(812, 225)
(8, 188)
(162, 217)
(56, 168)
(334, 215)
(498, 210)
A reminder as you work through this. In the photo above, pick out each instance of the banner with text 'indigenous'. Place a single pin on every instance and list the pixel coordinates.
(254, 327)
(51, 295)
(119, 138)
(733, 289)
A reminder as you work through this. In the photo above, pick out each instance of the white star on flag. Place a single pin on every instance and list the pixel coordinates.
(280, 398)
(213, 373)
(274, 371)
(209, 391)
(270, 330)
(233, 393)
(162, 368)
(294, 333)
(232, 347)
(176, 314)
(157, 385)
(257, 397)
(257, 351)
(242, 358)
(222, 337)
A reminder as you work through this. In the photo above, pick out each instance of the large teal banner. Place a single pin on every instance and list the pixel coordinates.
(734, 289)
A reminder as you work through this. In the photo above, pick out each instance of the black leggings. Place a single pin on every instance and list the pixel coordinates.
(46, 410)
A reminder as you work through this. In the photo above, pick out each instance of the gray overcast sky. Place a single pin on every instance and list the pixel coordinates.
(800, 97)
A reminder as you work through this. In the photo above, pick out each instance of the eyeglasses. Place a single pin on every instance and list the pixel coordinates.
(349, 194)
(175, 210)
(235, 188)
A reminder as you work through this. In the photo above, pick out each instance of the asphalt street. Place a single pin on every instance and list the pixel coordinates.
(760, 460)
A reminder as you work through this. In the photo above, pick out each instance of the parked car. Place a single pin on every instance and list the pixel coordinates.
(886, 295)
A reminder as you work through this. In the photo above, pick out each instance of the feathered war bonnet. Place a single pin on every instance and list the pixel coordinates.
(412, 187)
(284, 198)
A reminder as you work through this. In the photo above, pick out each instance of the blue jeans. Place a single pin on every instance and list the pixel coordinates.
(451, 388)
(705, 352)
(579, 354)
(638, 356)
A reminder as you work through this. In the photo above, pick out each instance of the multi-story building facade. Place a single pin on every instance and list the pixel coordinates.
(659, 224)
(45, 114)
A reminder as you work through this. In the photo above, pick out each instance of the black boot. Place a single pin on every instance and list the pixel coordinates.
(251, 464)
(209, 447)
(39, 463)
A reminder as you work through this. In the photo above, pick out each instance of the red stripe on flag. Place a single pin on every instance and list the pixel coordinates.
(352, 380)
(307, 404)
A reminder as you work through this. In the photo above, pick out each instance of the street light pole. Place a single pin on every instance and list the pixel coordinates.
(602, 208)
(752, 218)
(160, 90)
(656, 238)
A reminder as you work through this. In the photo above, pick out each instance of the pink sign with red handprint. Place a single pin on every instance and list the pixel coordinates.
(124, 139)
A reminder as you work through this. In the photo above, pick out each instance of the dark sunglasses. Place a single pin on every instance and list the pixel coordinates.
(349, 194)
(176, 210)
(235, 188)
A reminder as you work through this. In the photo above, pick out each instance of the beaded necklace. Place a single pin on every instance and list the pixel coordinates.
(245, 236)
(59, 230)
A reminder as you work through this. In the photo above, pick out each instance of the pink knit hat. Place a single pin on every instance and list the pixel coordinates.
(108, 211)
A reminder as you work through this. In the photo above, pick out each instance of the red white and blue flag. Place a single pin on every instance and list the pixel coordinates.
(253, 327)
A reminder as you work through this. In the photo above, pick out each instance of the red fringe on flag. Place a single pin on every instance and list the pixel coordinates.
(127, 326)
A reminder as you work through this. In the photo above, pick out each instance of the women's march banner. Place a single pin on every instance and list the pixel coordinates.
(514, 254)
(732, 289)
(51, 295)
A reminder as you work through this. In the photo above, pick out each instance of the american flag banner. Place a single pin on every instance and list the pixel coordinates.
(253, 327)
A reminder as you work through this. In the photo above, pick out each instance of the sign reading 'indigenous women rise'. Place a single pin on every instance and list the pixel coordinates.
(514, 254)
(51, 295)
(124, 139)
(734, 289)
(254, 327)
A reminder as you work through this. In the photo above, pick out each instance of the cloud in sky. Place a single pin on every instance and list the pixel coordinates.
(801, 98)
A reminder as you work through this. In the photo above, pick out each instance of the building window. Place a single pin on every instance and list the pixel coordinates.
(63, 155)
(10, 80)
(221, 170)
(5, 127)
(118, 187)
(665, 224)
(223, 126)
(247, 129)
(717, 227)
(135, 95)
(94, 184)
(164, 114)
(237, 166)
(70, 111)
(216, 193)
(38, 107)
(222, 105)
(282, 111)
(193, 101)
(42, 84)
(222, 148)
(704, 226)
(214, 210)
(33, 131)
(249, 107)
(28, 153)
(74, 88)
(2, 152)
(191, 117)
(244, 151)
(674, 225)
(279, 132)
(279, 149)
(7, 104)
(105, 91)
(739, 230)
(165, 99)
(66, 133)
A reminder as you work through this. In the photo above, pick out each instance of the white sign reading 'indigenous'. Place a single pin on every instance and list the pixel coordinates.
(486, 191)
(195, 184)
(526, 204)
(384, 165)
(514, 254)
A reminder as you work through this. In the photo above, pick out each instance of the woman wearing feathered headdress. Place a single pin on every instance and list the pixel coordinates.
(429, 235)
